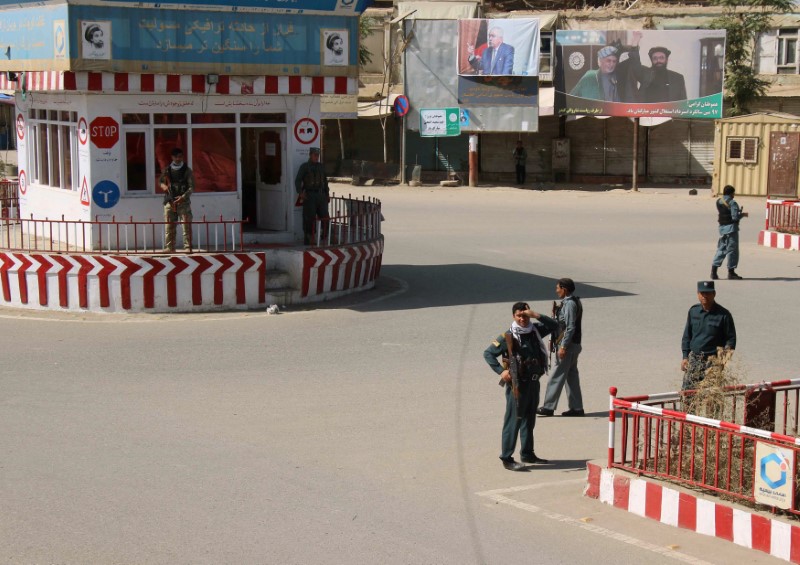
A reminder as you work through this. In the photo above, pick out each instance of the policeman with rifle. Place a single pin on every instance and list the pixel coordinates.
(177, 182)
(524, 361)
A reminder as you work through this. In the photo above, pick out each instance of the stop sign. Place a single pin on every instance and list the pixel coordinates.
(104, 132)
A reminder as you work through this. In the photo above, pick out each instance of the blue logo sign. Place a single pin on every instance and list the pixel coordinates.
(773, 458)
(464, 118)
(105, 194)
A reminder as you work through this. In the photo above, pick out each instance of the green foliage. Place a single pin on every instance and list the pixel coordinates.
(365, 23)
(744, 22)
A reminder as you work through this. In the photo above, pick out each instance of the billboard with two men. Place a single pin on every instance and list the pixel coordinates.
(649, 73)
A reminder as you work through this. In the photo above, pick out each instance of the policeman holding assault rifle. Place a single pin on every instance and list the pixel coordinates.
(177, 182)
(524, 360)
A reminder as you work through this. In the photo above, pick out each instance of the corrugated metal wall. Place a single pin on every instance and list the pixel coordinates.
(680, 148)
(496, 150)
(619, 147)
(587, 146)
(748, 178)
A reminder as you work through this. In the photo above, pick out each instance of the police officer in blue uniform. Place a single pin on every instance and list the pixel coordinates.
(312, 186)
(526, 339)
(729, 213)
(709, 326)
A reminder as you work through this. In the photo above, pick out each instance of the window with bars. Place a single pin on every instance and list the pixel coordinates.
(742, 150)
(53, 146)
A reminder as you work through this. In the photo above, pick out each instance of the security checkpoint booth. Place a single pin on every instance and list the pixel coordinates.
(105, 90)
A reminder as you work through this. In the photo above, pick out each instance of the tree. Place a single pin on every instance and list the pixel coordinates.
(744, 22)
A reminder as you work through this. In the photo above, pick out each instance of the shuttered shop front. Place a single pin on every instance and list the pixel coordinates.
(586, 140)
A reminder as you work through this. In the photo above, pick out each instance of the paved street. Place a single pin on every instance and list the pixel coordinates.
(367, 430)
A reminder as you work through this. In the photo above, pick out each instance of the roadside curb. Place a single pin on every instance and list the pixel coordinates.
(673, 507)
(779, 240)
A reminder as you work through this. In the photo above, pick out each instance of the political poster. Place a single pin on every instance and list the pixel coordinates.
(648, 73)
(498, 47)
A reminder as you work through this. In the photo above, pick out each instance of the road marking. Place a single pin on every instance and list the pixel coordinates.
(498, 496)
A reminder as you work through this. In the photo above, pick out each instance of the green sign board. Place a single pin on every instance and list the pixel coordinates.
(439, 122)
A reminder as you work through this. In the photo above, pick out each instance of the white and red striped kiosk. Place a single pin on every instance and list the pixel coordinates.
(105, 89)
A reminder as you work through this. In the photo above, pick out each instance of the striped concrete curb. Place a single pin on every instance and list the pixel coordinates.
(649, 499)
(779, 240)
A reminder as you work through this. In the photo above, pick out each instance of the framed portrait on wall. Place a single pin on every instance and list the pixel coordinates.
(95, 40)
(335, 46)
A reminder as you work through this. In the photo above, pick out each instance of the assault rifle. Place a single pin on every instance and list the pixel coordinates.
(513, 370)
(169, 198)
(555, 335)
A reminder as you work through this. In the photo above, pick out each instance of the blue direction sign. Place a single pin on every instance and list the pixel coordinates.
(401, 105)
(105, 194)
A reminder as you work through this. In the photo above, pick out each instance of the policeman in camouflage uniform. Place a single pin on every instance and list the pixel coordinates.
(177, 182)
(526, 338)
(312, 186)
(708, 326)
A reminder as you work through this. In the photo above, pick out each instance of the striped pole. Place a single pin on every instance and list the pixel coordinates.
(611, 420)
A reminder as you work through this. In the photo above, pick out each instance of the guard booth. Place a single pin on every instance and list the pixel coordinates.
(758, 155)
(104, 90)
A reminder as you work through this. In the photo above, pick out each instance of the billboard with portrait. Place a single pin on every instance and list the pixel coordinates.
(648, 73)
(498, 47)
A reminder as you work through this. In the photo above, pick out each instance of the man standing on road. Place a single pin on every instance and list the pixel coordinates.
(709, 326)
(568, 348)
(729, 213)
(177, 182)
(523, 341)
(520, 156)
(312, 186)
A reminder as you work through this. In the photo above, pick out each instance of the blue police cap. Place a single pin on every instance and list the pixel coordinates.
(705, 286)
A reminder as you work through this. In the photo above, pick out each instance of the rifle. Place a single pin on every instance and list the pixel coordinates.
(555, 335)
(169, 198)
(513, 370)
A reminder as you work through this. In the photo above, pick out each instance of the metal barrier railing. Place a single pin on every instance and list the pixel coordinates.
(655, 439)
(9, 199)
(125, 237)
(351, 221)
(783, 216)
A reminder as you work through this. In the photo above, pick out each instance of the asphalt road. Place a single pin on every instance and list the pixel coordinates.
(367, 430)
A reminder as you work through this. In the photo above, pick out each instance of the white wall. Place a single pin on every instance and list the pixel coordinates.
(96, 165)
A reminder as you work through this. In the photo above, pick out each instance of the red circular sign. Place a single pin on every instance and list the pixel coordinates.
(20, 126)
(83, 131)
(306, 131)
(104, 132)
(23, 187)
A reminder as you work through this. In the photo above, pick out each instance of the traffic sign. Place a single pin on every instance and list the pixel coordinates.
(401, 105)
(83, 131)
(85, 192)
(439, 122)
(306, 131)
(23, 182)
(105, 194)
(104, 132)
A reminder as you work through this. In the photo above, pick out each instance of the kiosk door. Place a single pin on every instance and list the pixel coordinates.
(271, 188)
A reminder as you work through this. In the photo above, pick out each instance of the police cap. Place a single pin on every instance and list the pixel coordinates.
(705, 286)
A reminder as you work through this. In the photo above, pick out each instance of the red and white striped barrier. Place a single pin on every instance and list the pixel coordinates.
(119, 283)
(693, 512)
(779, 240)
(340, 268)
(176, 84)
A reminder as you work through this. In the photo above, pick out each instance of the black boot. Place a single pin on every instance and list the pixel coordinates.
(732, 275)
(714, 274)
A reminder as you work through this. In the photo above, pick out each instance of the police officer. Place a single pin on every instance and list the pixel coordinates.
(729, 214)
(568, 348)
(708, 326)
(312, 186)
(177, 182)
(525, 337)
